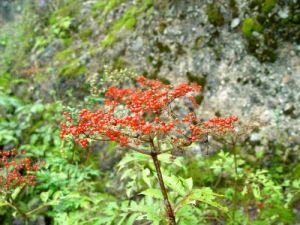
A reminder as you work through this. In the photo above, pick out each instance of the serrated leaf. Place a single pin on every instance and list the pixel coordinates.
(152, 192)
(136, 157)
(145, 174)
(132, 218)
(167, 158)
(175, 184)
(149, 211)
(188, 183)
(205, 195)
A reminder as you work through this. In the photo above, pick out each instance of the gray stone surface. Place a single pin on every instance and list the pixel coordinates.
(177, 41)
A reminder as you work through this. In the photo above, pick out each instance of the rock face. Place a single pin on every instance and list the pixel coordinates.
(179, 40)
(244, 53)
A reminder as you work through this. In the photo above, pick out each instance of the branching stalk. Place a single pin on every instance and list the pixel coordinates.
(168, 206)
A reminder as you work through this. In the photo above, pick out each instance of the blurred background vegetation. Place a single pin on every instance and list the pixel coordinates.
(53, 53)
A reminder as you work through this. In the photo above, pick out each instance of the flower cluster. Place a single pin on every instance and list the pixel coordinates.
(15, 172)
(132, 116)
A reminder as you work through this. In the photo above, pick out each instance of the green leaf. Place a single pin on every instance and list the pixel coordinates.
(175, 184)
(57, 195)
(3, 203)
(167, 158)
(205, 195)
(150, 212)
(152, 192)
(45, 196)
(146, 178)
(132, 219)
(188, 183)
(129, 158)
(16, 193)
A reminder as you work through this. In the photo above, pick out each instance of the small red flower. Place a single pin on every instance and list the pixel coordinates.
(17, 172)
(133, 116)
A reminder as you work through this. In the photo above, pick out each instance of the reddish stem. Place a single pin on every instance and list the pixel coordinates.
(168, 207)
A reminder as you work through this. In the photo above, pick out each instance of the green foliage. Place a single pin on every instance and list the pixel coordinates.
(186, 199)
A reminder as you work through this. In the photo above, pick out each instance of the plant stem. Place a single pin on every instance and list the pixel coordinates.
(36, 209)
(235, 180)
(15, 207)
(169, 209)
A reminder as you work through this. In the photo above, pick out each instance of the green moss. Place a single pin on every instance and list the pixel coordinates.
(272, 26)
(268, 5)
(128, 21)
(70, 9)
(72, 68)
(249, 26)
(107, 5)
(108, 40)
(296, 18)
(85, 34)
(201, 80)
(233, 8)
(268, 55)
(214, 14)
(164, 80)
(118, 63)
(71, 65)
(129, 18)
(65, 54)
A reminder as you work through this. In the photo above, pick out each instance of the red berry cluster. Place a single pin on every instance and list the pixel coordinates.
(15, 172)
(132, 116)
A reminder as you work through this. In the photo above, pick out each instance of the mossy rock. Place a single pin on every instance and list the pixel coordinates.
(261, 50)
(128, 21)
(106, 5)
(70, 9)
(201, 80)
(251, 25)
(72, 68)
(118, 63)
(109, 40)
(234, 8)
(215, 15)
(65, 55)
(268, 55)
